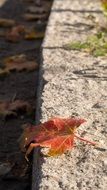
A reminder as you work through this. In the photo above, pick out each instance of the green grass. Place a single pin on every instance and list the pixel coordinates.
(94, 44)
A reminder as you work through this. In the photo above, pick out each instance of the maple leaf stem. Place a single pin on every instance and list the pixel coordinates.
(82, 139)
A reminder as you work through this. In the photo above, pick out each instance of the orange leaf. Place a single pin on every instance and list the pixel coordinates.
(57, 134)
(60, 144)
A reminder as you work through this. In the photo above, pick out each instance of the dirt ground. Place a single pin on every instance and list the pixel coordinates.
(15, 172)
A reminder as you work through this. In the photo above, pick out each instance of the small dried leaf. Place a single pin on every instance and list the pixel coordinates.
(19, 63)
(34, 35)
(18, 58)
(6, 22)
(18, 105)
(16, 33)
(11, 108)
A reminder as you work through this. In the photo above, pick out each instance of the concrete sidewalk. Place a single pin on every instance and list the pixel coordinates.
(75, 85)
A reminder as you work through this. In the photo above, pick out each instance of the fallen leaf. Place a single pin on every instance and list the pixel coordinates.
(34, 17)
(6, 22)
(34, 35)
(58, 134)
(12, 108)
(18, 58)
(16, 33)
(19, 63)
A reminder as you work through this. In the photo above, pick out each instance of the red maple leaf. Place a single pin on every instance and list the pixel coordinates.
(58, 134)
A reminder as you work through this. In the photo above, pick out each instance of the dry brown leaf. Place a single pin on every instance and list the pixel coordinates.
(12, 108)
(34, 35)
(6, 22)
(20, 57)
(34, 17)
(16, 33)
(19, 63)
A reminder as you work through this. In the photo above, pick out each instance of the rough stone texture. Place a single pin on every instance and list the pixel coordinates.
(75, 84)
(69, 21)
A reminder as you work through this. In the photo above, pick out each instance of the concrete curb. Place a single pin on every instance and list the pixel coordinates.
(75, 82)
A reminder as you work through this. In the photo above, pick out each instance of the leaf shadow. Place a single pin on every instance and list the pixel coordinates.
(78, 27)
(97, 11)
(90, 73)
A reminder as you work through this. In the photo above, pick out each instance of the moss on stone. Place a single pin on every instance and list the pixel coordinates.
(94, 44)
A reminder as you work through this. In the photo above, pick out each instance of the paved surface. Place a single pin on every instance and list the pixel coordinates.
(75, 84)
